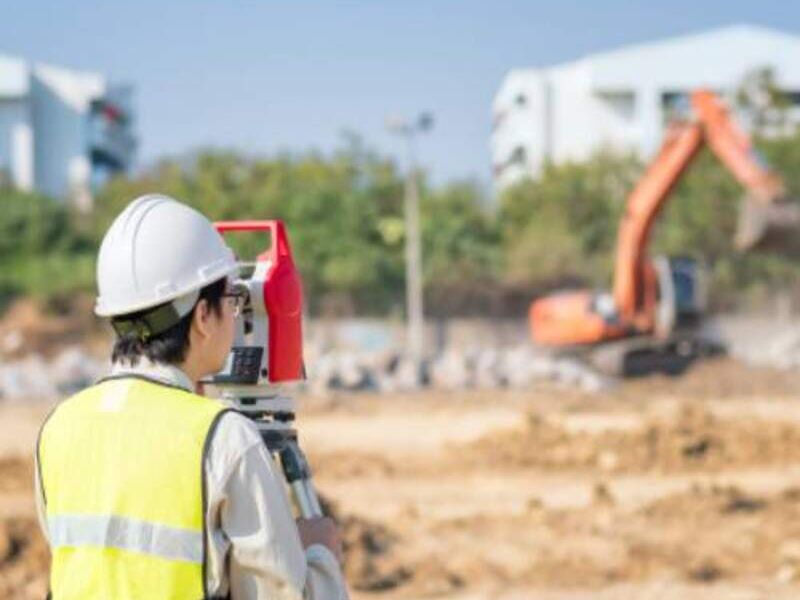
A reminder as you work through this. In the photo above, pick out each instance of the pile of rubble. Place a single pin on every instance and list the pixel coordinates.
(364, 355)
(781, 352)
(35, 378)
(762, 342)
(516, 367)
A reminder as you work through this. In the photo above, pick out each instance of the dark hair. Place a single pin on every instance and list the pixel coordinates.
(169, 346)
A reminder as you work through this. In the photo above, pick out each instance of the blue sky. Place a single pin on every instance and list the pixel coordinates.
(270, 76)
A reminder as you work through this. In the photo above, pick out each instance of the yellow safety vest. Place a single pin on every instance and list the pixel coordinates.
(122, 471)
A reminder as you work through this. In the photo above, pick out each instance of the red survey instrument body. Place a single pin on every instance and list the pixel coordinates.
(281, 297)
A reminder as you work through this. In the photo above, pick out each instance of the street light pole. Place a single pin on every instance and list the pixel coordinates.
(414, 302)
(413, 249)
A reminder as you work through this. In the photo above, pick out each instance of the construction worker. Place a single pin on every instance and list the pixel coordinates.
(146, 489)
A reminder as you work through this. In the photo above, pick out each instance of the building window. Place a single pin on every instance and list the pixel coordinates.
(112, 143)
(498, 120)
(519, 156)
(622, 104)
(675, 105)
(521, 100)
(793, 97)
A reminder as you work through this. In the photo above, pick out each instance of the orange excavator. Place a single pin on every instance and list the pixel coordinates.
(651, 319)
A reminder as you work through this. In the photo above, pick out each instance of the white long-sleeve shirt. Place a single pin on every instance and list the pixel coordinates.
(254, 550)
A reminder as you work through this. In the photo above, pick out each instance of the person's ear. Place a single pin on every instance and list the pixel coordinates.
(201, 319)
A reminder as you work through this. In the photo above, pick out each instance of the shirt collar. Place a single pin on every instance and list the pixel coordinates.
(169, 374)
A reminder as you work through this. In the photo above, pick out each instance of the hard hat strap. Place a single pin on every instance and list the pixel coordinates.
(149, 324)
(161, 318)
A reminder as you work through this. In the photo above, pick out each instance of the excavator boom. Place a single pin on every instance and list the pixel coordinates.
(681, 144)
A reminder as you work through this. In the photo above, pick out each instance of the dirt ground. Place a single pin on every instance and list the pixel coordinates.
(662, 489)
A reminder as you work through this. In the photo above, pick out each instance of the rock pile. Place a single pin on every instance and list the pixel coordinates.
(34, 378)
(452, 370)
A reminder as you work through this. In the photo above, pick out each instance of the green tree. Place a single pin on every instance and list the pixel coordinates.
(761, 101)
(41, 252)
(461, 254)
(563, 225)
(335, 207)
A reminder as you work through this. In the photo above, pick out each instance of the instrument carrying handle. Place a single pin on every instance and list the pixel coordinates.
(280, 248)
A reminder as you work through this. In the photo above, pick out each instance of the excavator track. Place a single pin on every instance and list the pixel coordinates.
(645, 355)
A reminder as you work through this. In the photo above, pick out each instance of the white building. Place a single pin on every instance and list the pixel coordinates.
(61, 131)
(620, 99)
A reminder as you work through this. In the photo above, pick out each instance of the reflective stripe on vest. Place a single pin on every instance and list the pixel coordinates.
(126, 534)
(122, 472)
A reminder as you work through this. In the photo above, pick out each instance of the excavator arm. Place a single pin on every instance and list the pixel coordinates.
(734, 149)
(712, 125)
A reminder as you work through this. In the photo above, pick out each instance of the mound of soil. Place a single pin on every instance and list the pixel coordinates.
(24, 560)
(29, 327)
(16, 474)
(695, 440)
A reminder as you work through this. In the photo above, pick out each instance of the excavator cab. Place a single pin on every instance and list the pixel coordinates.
(670, 340)
(682, 297)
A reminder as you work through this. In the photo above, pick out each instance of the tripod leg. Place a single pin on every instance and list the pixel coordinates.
(298, 474)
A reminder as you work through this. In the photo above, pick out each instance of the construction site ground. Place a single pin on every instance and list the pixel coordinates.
(662, 489)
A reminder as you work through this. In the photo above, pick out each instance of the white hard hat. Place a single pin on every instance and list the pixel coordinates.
(157, 251)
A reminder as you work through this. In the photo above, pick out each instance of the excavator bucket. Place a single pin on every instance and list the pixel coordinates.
(769, 227)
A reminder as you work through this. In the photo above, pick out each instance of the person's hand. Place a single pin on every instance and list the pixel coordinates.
(322, 530)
